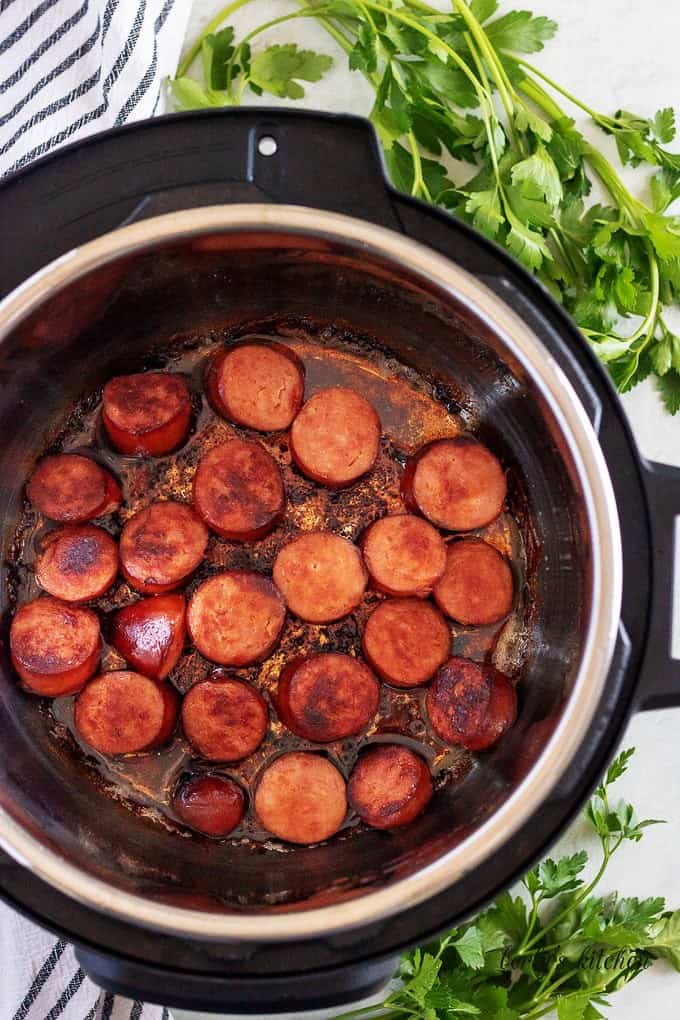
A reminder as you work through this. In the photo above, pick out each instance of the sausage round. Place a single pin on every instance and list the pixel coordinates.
(54, 647)
(150, 634)
(238, 490)
(123, 712)
(335, 438)
(327, 697)
(147, 413)
(161, 546)
(225, 719)
(321, 576)
(389, 786)
(456, 483)
(406, 641)
(404, 555)
(213, 805)
(301, 798)
(257, 385)
(71, 488)
(477, 586)
(236, 618)
(470, 704)
(77, 563)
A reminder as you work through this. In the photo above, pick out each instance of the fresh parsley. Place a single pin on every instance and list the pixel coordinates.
(458, 86)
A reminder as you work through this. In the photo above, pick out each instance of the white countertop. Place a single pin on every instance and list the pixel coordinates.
(611, 53)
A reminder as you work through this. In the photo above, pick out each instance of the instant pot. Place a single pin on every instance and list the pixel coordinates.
(228, 217)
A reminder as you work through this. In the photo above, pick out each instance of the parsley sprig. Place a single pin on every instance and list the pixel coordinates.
(468, 123)
(559, 946)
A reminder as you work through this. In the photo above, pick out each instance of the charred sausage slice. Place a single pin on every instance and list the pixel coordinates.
(238, 490)
(301, 798)
(55, 648)
(327, 697)
(161, 546)
(71, 488)
(470, 704)
(257, 385)
(336, 437)
(456, 483)
(321, 576)
(213, 805)
(123, 712)
(390, 785)
(236, 618)
(224, 719)
(477, 585)
(147, 413)
(150, 634)
(404, 555)
(406, 641)
(77, 563)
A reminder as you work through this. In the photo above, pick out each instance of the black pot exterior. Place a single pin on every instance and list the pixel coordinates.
(329, 163)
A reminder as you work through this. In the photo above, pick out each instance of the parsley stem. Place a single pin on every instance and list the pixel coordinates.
(487, 51)
(212, 25)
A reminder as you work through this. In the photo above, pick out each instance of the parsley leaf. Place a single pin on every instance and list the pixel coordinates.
(278, 68)
(520, 32)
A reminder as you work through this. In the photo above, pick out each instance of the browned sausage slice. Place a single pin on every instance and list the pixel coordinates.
(210, 804)
(327, 697)
(123, 712)
(456, 483)
(55, 648)
(404, 555)
(335, 438)
(150, 634)
(77, 563)
(257, 385)
(236, 618)
(389, 786)
(470, 704)
(321, 575)
(238, 490)
(301, 798)
(406, 641)
(161, 546)
(477, 586)
(148, 412)
(70, 487)
(225, 719)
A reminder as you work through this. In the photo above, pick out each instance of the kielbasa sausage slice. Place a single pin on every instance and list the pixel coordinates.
(327, 697)
(389, 786)
(225, 719)
(238, 490)
(301, 798)
(147, 413)
(257, 385)
(471, 705)
(404, 555)
(335, 438)
(456, 483)
(55, 648)
(236, 618)
(71, 488)
(321, 576)
(150, 634)
(161, 546)
(213, 805)
(123, 712)
(406, 641)
(77, 563)
(477, 586)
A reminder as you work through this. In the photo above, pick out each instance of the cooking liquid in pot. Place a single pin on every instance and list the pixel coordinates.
(413, 411)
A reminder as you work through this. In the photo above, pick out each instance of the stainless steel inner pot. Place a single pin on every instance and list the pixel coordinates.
(101, 309)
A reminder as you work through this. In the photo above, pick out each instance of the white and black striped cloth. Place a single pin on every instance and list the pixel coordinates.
(69, 68)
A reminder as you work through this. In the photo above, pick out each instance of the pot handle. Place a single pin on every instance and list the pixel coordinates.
(659, 684)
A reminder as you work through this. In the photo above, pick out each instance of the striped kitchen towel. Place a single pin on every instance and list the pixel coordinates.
(69, 68)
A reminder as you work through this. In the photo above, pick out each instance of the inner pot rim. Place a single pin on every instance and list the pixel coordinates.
(606, 580)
